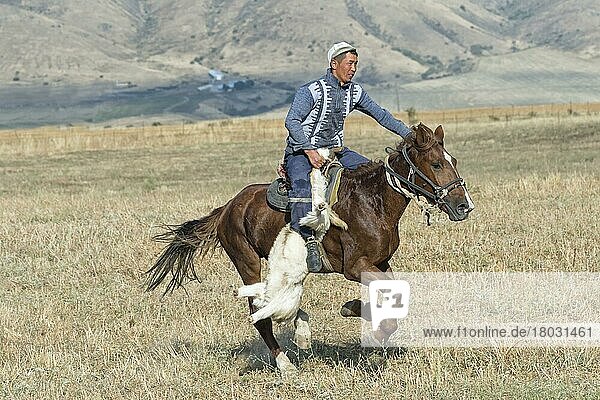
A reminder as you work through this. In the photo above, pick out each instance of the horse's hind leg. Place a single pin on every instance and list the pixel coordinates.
(248, 266)
(265, 329)
(302, 335)
(247, 263)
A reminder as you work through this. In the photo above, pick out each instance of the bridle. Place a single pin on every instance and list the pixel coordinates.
(437, 197)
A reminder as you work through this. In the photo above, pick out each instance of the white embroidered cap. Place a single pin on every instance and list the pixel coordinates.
(337, 49)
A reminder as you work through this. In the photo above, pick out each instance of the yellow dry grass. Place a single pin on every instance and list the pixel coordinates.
(49, 140)
(78, 207)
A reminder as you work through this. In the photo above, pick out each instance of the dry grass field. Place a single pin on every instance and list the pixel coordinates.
(78, 208)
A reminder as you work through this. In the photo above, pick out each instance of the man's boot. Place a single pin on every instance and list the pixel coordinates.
(313, 258)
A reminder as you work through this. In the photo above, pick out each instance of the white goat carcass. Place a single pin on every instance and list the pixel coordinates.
(278, 297)
(320, 218)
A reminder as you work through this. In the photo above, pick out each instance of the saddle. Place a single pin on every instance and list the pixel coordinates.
(277, 193)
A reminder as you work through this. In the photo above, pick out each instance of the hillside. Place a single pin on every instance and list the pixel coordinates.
(157, 43)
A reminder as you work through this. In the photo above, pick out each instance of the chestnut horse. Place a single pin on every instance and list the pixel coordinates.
(371, 200)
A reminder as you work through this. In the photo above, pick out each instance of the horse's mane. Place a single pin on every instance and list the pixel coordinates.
(362, 178)
(366, 172)
(364, 175)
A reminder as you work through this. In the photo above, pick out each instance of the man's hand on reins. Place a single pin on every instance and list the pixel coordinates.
(316, 160)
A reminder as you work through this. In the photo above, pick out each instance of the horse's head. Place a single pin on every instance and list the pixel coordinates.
(432, 172)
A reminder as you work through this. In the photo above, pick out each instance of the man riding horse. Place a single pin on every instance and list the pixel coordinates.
(371, 200)
(316, 120)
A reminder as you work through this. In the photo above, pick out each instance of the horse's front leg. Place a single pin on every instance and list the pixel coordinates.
(364, 271)
(356, 308)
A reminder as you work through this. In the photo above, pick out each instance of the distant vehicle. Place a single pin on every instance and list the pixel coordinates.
(216, 75)
(127, 84)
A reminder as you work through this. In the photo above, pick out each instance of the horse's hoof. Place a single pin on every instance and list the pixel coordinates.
(302, 334)
(352, 308)
(303, 342)
(285, 366)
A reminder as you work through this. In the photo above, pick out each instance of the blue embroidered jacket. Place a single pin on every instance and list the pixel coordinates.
(316, 116)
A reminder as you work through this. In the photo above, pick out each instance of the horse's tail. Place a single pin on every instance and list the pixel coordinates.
(186, 241)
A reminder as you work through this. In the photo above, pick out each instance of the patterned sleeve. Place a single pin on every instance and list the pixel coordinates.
(366, 105)
(299, 110)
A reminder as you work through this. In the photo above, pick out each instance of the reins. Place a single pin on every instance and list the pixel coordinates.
(407, 186)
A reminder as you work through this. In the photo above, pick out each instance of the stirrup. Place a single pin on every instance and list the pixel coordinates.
(313, 256)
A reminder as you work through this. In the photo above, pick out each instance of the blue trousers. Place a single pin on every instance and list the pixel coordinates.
(298, 169)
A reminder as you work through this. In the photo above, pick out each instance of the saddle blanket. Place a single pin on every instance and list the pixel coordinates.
(277, 193)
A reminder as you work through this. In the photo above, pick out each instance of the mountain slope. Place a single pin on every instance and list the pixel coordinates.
(75, 56)
(148, 40)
